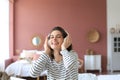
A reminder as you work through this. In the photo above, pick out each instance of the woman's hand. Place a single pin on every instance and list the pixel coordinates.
(46, 46)
(67, 42)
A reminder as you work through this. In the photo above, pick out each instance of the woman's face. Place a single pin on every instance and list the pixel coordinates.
(56, 39)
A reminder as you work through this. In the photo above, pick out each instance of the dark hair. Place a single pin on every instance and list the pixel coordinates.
(64, 34)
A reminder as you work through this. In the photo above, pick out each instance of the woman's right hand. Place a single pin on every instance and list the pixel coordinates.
(46, 46)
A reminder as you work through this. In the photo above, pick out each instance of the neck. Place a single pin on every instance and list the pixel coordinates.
(57, 56)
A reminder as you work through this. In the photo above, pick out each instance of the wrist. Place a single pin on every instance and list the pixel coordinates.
(63, 48)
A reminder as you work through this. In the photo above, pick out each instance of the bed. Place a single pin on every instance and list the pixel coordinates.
(21, 67)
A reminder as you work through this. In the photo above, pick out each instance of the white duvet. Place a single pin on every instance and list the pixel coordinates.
(109, 77)
(87, 76)
(90, 76)
(20, 68)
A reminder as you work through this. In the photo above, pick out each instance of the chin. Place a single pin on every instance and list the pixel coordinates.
(55, 48)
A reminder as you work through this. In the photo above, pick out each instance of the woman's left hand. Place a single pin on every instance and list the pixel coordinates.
(67, 42)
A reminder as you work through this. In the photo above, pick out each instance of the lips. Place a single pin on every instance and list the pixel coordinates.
(55, 43)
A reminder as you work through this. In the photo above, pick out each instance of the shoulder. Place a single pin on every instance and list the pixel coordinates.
(73, 51)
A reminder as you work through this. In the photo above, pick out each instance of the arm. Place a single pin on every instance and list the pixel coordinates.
(39, 65)
(70, 59)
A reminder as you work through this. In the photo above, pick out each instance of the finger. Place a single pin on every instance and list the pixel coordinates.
(67, 32)
(68, 35)
(69, 39)
(46, 39)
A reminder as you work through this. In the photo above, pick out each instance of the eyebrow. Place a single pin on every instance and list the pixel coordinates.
(57, 35)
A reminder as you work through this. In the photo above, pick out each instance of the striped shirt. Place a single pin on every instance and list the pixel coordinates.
(67, 69)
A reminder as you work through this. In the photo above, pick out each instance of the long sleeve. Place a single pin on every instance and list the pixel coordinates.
(70, 60)
(67, 69)
(39, 65)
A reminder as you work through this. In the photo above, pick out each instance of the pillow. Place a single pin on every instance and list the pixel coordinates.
(29, 51)
(28, 54)
(36, 56)
(22, 55)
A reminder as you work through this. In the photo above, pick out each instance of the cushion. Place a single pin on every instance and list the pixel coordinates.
(36, 56)
(30, 54)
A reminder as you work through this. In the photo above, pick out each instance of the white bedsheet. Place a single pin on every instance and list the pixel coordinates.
(109, 77)
(20, 68)
(90, 76)
(87, 76)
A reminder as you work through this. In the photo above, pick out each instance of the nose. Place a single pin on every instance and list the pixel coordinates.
(55, 38)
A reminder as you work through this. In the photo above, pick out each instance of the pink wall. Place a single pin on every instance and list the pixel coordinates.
(37, 17)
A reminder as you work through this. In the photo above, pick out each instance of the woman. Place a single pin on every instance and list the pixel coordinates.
(58, 58)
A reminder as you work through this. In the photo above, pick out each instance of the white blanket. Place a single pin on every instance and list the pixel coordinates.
(87, 76)
(20, 68)
(109, 77)
(90, 76)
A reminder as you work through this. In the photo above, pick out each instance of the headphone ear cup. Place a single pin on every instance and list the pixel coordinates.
(48, 36)
(49, 43)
